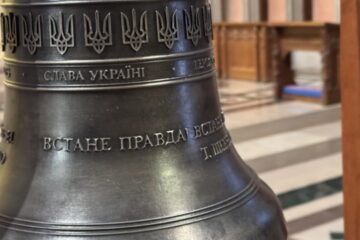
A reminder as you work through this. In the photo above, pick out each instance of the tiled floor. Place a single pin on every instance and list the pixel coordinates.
(240, 95)
(296, 148)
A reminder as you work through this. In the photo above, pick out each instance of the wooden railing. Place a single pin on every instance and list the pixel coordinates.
(242, 51)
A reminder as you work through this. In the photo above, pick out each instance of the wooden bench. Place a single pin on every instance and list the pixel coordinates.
(321, 37)
(261, 52)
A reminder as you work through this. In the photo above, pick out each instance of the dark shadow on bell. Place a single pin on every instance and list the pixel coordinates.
(18, 171)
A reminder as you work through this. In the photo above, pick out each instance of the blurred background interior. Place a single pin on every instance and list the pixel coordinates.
(277, 63)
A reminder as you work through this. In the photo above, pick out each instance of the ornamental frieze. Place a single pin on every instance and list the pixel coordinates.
(59, 31)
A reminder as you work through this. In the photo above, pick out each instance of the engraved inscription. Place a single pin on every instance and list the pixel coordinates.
(210, 127)
(217, 148)
(56, 75)
(89, 145)
(144, 141)
(168, 29)
(126, 73)
(62, 34)
(31, 33)
(207, 17)
(8, 136)
(171, 137)
(204, 63)
(192, 25)
(101, 37)
(135, 34)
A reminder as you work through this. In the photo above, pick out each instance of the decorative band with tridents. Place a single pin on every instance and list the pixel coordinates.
(90, 30)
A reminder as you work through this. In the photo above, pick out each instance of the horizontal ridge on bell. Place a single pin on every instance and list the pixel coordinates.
(104, 229)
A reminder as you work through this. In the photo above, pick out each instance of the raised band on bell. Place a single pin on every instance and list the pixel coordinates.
(113, 128)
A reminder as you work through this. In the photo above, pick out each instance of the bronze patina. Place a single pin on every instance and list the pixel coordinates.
(113, 128)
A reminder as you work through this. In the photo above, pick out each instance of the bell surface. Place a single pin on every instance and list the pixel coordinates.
(113, 128)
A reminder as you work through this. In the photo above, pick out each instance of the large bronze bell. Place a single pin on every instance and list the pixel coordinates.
(113, 128)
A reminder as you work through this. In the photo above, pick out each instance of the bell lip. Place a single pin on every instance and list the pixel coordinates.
(66, 2)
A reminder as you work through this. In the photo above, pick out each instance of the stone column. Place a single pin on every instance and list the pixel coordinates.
(235, 11)
(277, 10)
(337, 10)
(252, 10)
(326, 11)
(295, 10)
(217, 10)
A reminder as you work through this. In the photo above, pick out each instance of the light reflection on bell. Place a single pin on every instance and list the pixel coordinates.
(113, 128)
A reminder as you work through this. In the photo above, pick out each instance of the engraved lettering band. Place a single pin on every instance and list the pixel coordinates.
(159, 82)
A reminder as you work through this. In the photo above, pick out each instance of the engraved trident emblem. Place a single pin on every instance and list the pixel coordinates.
(62, 37)
(9, 35)
(100, 38)
(31, 33)
(167, 32)
(208, 22)
(2, 33)
(192, 25)
(137, 35)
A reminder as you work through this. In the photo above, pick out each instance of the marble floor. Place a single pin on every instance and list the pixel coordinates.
(296, 148)
(241, 95)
